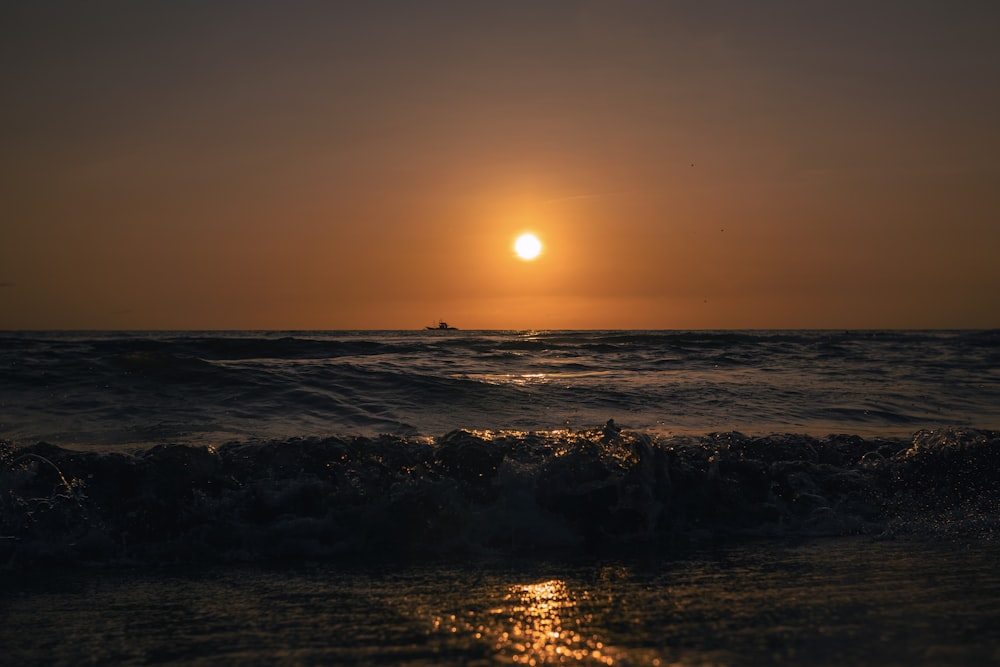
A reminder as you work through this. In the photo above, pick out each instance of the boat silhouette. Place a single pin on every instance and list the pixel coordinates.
(442, 326)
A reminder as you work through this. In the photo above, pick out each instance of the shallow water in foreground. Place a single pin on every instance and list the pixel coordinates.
(825, 602)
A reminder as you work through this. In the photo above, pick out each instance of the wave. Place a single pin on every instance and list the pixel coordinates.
(333, 344)
(471, 492)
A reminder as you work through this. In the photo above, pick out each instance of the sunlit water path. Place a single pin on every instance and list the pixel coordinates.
(848, 601)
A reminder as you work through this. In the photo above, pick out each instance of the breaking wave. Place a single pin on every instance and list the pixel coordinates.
(475, 492)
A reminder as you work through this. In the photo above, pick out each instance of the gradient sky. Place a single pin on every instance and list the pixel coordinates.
(368, 165)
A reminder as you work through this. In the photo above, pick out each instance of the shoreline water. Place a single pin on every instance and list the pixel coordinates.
(809, 603)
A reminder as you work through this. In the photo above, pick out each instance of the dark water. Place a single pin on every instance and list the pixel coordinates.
(111, 389)
(727, 498)
(842, 602)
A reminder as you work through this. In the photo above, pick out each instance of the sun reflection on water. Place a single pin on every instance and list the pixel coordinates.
(550, 622)
(541, 625)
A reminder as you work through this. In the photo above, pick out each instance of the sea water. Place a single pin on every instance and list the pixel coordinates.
(105, 389)
(461, 497)
(843, 602)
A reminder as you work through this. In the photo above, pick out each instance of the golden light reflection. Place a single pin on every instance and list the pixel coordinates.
(545, 623)
(518, 379)
(541, 624)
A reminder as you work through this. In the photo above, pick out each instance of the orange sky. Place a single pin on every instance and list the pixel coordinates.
(341, 165)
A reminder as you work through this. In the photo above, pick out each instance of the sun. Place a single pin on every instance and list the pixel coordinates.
(527, 246)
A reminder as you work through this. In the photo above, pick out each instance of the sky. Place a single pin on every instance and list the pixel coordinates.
(170, 164)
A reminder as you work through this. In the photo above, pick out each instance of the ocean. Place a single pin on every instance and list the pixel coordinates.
(500, 497)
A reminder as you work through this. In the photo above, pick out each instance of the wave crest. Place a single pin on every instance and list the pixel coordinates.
(471, 492)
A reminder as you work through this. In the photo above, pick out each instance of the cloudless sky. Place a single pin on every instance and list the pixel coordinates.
(355, 165)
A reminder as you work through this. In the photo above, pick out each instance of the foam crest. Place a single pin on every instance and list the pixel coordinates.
(485, 492)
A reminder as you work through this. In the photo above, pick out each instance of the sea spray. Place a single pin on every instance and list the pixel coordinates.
(594, 490)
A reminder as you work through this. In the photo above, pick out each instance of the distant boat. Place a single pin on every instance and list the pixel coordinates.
(442, 326)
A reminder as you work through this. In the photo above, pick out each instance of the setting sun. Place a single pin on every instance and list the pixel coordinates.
(527, 246)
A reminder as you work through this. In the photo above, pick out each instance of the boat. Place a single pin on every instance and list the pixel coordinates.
(442, 326)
